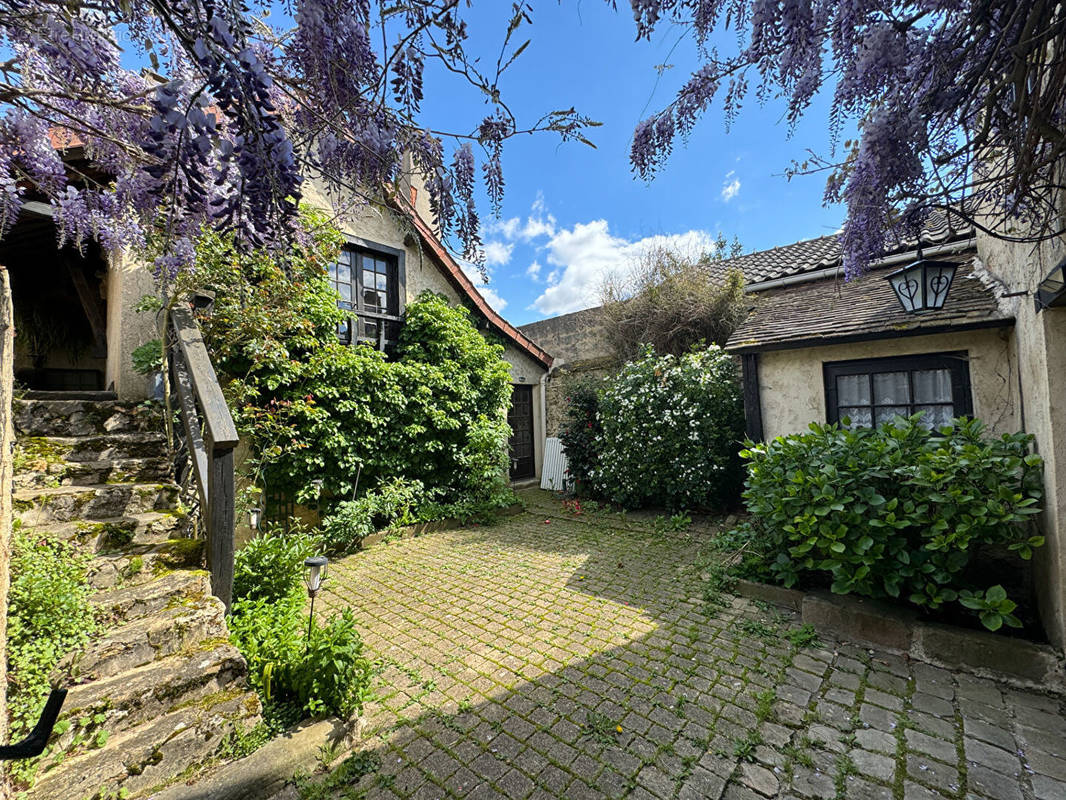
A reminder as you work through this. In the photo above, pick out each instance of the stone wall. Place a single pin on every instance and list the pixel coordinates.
(571, 338)
(558, 385)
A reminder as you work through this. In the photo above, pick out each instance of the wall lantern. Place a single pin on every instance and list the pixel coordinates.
(1051, 291)
(316, 573)
(923, 285)
(255, 516)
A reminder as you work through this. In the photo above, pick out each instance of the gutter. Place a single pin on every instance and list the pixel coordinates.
(833, 272)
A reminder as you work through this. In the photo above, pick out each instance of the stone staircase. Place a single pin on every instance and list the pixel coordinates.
(158, 687)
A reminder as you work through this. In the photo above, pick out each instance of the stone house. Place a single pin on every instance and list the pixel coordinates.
(817, 348)
(77, 325)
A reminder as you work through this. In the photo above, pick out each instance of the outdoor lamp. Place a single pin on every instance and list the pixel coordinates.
(316, 572)
(255, 516)
(923, 285)
(317, 483)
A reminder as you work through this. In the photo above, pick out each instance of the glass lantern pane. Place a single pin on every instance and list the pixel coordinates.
(908, 288)
(891, 388)
(853, 390)
(937, 282)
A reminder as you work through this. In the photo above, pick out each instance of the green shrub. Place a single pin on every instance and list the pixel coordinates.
(672, 427)
(270, 636)
(578, 433)
(270, 567)
(896, 510)
(482, 508)
(313, 408)
(48, 616)
(335, 676)
(394, 503)
(148, 358)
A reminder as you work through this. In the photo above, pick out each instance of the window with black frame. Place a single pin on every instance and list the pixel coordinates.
(367, 285)
(873, 391)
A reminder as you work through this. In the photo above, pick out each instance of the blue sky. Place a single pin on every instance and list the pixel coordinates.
(571, 212)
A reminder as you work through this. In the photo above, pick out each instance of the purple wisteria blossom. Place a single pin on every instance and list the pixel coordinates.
(959, 104)
(225, 116)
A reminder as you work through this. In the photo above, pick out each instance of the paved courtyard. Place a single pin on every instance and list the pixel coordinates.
(559, 656)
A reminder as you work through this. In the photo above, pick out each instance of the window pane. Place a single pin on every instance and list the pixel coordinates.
(382, 281)
(936, 416)
(368, 279)
(343, 305)
(370, 329)
(853, 390)
(882, 415)
(860, 416)
(345, 290)
(344, 273)
(372, 300)
(891, 388)
(932, 386)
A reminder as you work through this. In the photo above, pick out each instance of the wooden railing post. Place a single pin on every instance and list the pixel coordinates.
(220, 523)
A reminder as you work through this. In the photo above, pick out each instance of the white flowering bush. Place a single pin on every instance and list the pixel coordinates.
(672, 428)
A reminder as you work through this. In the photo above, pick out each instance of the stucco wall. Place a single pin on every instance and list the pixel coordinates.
(128, 280)
(1039, 343)
(792, 391)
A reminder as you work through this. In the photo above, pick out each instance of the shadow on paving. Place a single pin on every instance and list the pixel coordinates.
(575, 659)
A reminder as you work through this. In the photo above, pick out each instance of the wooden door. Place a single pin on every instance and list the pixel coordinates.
(520, 417)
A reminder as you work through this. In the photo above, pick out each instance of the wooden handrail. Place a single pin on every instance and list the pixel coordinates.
(218, 423)
(210, 436)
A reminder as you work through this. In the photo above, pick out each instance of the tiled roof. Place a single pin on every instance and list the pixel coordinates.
(831, 310)
(824, 252)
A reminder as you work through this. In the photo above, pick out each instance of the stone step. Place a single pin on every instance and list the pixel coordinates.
(146, 639)
(104, 447)
(70, 394)
(42, 506)
(131, 698)
(41, 473)
(137, 566)
(134, 532)
(148, 755)
(83, 417)
(127, 603)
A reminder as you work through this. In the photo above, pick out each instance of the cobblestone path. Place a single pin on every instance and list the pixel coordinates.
(572, 657)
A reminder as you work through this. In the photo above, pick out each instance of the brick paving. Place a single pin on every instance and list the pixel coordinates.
(560, 656)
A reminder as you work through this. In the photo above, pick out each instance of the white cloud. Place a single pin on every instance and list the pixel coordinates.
(589, 252)
(492, 298)
(486, 291)
(507, 228)
(497, 253)
(730, 186)
(539, 223)
(533, 270)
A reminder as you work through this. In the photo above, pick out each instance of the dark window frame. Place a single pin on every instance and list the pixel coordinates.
(388, 319)
(957, 363)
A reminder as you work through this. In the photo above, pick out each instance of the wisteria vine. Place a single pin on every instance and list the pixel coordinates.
(224, 116)
(959, 104)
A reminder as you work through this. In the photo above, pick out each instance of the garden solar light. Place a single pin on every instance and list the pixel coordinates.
(317, 483)
(316, 572)
(255, 516)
